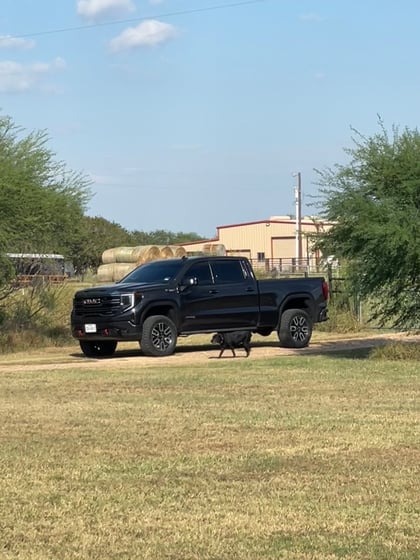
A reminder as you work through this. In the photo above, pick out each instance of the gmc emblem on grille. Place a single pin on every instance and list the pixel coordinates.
(92, 301)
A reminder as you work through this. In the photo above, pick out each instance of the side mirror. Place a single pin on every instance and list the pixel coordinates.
(189, 281)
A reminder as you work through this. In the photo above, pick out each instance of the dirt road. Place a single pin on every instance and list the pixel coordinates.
(130, 356)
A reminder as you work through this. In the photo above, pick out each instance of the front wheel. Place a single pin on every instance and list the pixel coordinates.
(159, 336)
(98, 348)
(295, 329)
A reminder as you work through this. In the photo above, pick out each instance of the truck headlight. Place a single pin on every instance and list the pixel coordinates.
(130, 300)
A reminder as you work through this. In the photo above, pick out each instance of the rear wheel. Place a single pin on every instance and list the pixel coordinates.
(98, 348)
(295, 329)
(159, 336)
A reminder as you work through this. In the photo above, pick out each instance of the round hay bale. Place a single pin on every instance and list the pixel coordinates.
(145, 253)
(178, 251)
(118, 255)
(124, 255)
(215, 249)
(166, 253)
(121, 269)
(112, 272)
(105, 272)
(108, 256)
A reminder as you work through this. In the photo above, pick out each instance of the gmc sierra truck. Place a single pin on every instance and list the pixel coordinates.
(162, 300)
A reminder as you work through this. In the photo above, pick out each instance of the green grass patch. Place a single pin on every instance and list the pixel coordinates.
(300, 458)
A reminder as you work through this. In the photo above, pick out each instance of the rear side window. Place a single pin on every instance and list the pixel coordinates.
(227, 272)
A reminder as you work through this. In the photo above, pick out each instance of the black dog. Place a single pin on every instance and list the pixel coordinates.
(232, 340)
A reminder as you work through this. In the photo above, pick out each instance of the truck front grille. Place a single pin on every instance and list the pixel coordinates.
(96, 305)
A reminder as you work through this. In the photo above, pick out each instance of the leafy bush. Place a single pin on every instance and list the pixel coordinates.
(341, 320)
(36, 316)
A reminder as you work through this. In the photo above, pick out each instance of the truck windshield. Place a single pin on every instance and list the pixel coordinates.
(155, 272)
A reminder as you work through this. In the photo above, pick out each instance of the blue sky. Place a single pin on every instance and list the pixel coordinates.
(191, 114)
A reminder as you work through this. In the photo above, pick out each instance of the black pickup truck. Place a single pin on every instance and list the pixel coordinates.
(161, 300)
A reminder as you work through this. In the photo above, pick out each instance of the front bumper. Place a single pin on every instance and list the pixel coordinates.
(95, 328)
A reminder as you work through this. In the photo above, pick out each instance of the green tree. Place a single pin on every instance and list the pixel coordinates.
(42, 203)
(163, 237)
(96, 235)
(374, 200)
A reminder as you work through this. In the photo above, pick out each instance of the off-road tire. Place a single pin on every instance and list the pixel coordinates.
(159, 336)
(295, 329)
(98, 348)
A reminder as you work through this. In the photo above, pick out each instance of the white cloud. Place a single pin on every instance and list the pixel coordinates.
(16, 77)
(96, 9)
(147, 34)
(9, 42)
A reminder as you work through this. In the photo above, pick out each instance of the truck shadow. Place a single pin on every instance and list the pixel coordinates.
(353, 348)
(359, 348)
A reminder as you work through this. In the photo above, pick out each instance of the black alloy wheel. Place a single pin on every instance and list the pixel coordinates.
(295, 329)
(159, 336)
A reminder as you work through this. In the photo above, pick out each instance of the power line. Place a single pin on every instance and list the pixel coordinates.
(144, 18)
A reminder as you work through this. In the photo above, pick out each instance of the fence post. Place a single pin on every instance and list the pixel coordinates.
(330, 282)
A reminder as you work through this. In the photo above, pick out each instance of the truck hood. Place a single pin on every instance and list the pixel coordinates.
(125, 288)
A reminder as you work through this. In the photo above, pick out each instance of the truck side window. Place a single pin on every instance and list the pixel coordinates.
(202, 272)
(227, 272)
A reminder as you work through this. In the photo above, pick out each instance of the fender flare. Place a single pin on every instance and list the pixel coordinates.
(158, 305)
(307, 297)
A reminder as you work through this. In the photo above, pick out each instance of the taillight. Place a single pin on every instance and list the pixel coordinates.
(325, 290)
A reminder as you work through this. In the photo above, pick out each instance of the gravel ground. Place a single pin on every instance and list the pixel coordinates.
(187, 353)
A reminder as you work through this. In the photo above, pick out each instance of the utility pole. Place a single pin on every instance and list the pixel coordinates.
(298, 203)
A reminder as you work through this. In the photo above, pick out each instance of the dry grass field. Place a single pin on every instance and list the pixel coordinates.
(312, 456)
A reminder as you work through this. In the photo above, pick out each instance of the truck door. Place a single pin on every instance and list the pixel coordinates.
(224, 297)
(197, 298)
(237, 302)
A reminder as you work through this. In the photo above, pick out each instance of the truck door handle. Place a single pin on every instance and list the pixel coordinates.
(213, 291)
(249, 289)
